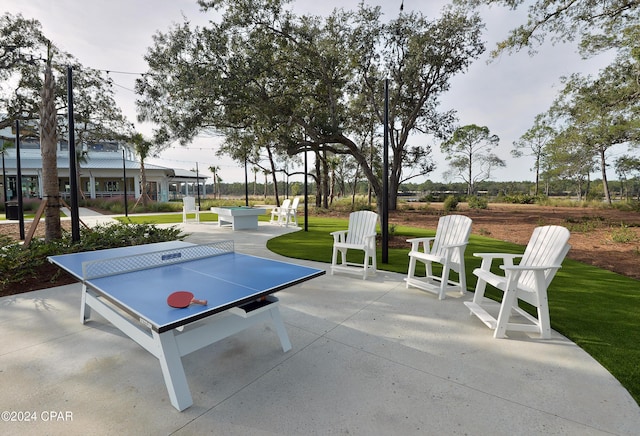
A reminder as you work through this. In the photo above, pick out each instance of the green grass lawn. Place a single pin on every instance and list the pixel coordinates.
(597, 309)
(27, 216)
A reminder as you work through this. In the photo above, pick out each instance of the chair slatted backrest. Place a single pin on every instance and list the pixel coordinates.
(285, 204)
(451, 230)
(189, 203)
(361, 224)
(547, 247)
(294, 203)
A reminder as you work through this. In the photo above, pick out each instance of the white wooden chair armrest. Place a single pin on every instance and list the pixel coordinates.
(462, 244)
(430, 238)
(529, 267)
(497, 255)
(339, 235)
(487, 259)
(513, 272)
(415, 243)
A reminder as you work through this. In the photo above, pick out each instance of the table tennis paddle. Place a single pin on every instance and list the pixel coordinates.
(182, 299)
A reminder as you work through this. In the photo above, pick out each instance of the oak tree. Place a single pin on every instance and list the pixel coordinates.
(304, 81)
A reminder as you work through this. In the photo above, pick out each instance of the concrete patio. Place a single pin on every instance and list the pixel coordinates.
(369, 358)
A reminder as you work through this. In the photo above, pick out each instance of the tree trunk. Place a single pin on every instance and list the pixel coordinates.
(265, 185)
(145, 195)
(272, 164)
(470, 186)
(48, 149)
(325, 181)
(355, 186)
(318, 181)
(537, 176)
(255, 184)
(215, 184)
(605, 182)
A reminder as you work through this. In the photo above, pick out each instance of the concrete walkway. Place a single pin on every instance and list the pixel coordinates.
(369, 358)
(89, 216)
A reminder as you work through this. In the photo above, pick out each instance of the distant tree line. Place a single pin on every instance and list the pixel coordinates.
(438, 191)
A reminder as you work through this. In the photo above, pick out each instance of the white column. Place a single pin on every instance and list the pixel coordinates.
(92, 186)
(136, 185)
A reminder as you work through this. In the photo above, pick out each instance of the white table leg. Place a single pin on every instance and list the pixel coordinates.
(85, 309)
(173, 371)
(280, 328)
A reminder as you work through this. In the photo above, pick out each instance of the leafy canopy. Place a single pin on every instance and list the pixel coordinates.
(596, 24)
(301, 83)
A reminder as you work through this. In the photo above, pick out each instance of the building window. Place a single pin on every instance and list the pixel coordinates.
(112, 186)
(104, 147)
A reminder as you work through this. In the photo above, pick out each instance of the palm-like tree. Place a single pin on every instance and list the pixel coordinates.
(255, 171)
(143, 149)
(48, 145)
(216, 180)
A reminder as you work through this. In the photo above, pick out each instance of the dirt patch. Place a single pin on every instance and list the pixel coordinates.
(592, 230)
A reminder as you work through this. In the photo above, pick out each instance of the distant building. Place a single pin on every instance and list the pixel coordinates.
(102, 170)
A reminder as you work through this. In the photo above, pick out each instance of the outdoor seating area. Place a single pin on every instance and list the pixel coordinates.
(286, 213)
(367, 356)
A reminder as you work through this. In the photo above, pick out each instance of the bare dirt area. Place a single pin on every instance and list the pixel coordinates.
(593, 230)
(592, 234)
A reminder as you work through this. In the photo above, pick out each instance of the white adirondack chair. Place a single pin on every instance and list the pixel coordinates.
(446, 248)
(527, 281)
(360, 235)
(278, 213)
(189, 207)
(292, 213)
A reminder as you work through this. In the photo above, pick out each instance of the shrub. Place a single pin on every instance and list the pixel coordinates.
(450, 204)
(585, 224)
(476, 202)
(18, 263)
(594, 196)
(627, 206)
(623, 234)
(519, 199)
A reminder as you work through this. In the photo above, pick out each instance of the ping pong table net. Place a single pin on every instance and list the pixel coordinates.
(138, 262)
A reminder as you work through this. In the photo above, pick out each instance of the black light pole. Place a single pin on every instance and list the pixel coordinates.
(384, 224)
(246, 183)
(198, 184)
(4, 180)
(124, 183)
(73, 181)
(19, 182)
(306, 195)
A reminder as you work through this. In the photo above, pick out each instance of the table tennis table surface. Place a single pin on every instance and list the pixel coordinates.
(225, 281)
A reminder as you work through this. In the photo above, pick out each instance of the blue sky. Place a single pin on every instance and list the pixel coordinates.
(504, 95)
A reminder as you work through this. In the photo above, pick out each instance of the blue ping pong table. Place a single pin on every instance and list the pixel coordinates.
(129, 287)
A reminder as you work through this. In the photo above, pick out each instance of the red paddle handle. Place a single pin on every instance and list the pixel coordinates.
(196, 301)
